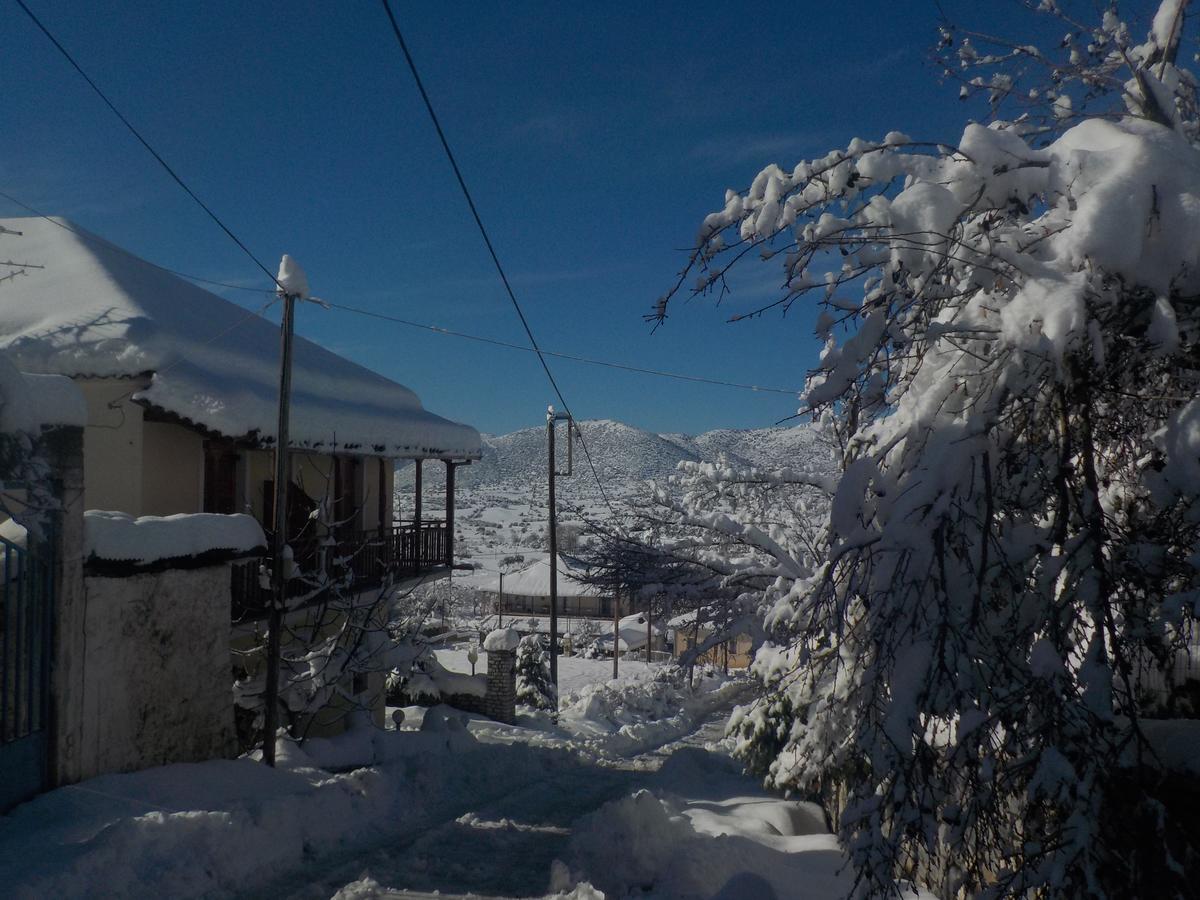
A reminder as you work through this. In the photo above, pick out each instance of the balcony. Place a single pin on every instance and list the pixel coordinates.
(394, 553)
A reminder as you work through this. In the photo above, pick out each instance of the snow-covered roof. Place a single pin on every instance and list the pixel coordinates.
(97, 310)
(534, 580)
(29, 403)
(631, 633)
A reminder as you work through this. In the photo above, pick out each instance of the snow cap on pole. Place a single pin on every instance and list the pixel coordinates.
(292, 279)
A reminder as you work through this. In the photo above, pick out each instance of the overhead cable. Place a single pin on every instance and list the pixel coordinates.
(412, 66)
(145, 143)
(568, 356)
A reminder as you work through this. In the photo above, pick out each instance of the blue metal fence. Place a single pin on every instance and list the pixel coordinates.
(26, 621)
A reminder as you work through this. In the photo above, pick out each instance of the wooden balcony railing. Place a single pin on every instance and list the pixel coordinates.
(398, 551)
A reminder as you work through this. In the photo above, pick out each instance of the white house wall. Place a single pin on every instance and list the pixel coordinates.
(157, 468)
(173, 474)
(112, 445)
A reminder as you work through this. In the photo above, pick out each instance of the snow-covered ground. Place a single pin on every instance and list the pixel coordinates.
(628, 793)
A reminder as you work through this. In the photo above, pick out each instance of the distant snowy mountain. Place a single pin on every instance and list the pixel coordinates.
(625, 454)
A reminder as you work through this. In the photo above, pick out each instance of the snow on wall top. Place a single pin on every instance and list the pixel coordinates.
(534, 580)
(500, 640)
(98, 310)
(119, 537)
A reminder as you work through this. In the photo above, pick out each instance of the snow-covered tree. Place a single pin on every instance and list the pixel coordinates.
(709, 540)
(534, 687)
(343, 647)
(1011, 368)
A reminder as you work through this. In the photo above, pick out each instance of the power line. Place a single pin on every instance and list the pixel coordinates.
(98, 239)
(141, 140)
(387, 8)
(105, 242)
(568, 356)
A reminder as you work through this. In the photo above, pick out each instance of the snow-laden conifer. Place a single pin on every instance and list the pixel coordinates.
(534, 687)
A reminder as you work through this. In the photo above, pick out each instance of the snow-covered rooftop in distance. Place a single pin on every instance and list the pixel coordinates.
(97, 310)
(534, 580)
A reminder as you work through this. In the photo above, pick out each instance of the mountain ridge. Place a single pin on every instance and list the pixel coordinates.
(625, 453)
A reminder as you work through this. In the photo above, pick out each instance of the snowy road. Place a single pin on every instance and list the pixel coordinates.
(452, 808)
(504, 847)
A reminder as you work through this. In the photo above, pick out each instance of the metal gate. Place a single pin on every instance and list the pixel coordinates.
(26, 621)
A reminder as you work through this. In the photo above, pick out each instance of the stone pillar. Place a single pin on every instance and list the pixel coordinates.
(501, 700)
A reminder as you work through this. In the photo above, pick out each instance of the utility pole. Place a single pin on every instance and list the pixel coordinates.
(552, 471)
(280, 553)
(616, 623)
(500, 603)
(649, 609)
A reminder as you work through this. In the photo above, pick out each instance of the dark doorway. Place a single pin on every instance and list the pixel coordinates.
(220, 478)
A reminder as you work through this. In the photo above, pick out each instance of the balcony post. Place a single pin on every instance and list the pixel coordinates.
(385, 518)
(417, 498)
(450, 467)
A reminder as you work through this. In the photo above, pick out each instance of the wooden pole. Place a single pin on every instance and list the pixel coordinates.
(553, 552)
(500, 603)
(649, 607)
(279, 538)
(616, 623)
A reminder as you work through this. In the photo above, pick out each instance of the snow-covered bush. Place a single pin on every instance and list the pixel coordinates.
(1011, 365)
(534, 687)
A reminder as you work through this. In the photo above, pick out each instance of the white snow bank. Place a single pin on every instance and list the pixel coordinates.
(99, 310)
(630, 715)
(663, 846)
(29, 403)
(501, 639)
(701, 838)
(119, 537)
(234, 827)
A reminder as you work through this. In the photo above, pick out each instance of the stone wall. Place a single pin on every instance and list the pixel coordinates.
(501, 700)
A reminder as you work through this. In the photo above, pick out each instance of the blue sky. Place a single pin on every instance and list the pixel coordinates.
(594, 139)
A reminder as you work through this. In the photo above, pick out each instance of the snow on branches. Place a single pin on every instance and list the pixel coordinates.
(1011, 356)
